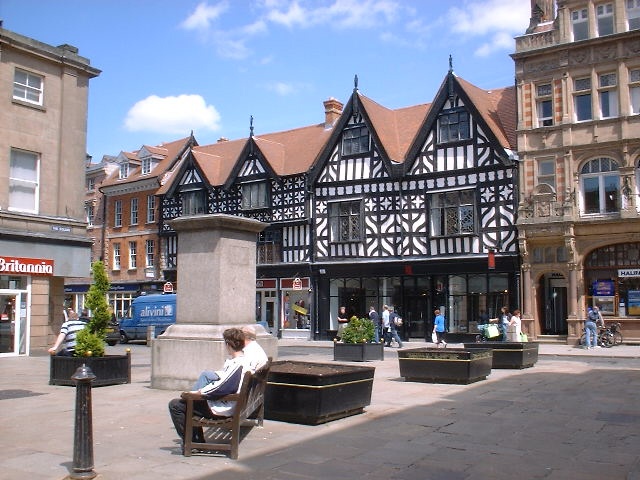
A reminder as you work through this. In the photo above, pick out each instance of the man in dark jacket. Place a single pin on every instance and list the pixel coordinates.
(377, 326)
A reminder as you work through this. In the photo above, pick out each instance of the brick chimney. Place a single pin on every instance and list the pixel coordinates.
(332, 111)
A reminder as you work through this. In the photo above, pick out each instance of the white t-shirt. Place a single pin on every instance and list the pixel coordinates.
(255, 356)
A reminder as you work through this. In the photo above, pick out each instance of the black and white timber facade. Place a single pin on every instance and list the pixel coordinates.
(413, 208)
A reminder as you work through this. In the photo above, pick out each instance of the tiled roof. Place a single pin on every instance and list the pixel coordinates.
(498, 109)
(171, 151)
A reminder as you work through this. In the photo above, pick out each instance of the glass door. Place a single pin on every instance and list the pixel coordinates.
(13, 320)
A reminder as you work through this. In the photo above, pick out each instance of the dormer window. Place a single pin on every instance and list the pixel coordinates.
(124, 170)
(356, 141)
(254, 196)
(453, 126)
(147, 165)
(194, 202)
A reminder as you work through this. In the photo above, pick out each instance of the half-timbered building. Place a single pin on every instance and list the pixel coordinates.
(413, 207)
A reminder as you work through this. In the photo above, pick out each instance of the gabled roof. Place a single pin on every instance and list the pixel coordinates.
(497, 108)
(396, 129)
(170, 152)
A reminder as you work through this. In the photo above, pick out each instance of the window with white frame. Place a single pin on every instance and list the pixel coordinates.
(633, 14)
(116, 256)
(582, 99)
(124, 170)
(547, 172)
(133, 250)
(544, 105)
(117, 213)
(150, 250)
(355, 140)
(146, 165)
(604, 19)
(151, 208)
(600, 182)
(345, 221)
(23, 181)
(133, 213)
(91, 184)
(580, 24)
(28, 87)
(453, 126)
(634, 90)
(607, 89)
(193, 202)
(254, 195)
(90, 210)
(453, 213)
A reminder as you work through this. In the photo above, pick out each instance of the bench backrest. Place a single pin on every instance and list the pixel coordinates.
(252, 391)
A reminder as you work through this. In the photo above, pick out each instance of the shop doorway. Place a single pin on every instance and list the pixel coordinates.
(552, 304)
(13, 323)
(416, 318)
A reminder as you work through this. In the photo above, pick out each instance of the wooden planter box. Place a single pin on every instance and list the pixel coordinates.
(314, 393)
(109, 370)
(445, 365)
(510, 354)
(357, 352)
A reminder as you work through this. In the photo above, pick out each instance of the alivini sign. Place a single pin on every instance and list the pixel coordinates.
(26, 266)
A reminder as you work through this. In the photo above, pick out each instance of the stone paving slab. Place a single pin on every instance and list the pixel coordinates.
(573, 415)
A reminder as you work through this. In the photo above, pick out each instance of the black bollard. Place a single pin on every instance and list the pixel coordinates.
(83, 434)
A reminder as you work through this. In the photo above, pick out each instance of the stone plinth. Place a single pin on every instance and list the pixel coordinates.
(216, 290)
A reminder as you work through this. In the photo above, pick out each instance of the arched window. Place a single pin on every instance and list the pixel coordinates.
(600, 183)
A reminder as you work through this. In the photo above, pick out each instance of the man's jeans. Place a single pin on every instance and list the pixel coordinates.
(591, 334)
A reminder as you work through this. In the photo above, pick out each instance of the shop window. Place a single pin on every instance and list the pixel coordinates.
(453, 213)
(600, 182)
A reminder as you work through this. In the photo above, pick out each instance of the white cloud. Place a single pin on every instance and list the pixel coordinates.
(172, 115)
(203, 15)
(501, 20)
(281, 88)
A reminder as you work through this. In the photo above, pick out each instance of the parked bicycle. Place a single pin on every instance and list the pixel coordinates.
(605, 338)
(615, 328)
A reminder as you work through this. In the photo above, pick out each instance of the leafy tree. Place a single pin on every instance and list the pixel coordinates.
(358, 330)
(90, 340)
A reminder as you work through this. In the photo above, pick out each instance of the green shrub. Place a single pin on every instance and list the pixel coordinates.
(358, 330)
(90, 341)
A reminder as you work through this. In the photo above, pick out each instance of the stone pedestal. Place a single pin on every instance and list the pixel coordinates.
(216, 291)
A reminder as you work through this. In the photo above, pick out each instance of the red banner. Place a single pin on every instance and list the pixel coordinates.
(26, 266)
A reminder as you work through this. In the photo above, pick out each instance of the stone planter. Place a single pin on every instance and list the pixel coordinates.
(445, 365)
(109, 370)
(510, 354)
(357, 352)
(314, 393)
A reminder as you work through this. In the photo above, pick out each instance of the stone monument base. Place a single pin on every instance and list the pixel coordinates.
(184, 350)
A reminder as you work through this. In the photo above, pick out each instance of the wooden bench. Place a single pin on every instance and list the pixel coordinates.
(249, 410)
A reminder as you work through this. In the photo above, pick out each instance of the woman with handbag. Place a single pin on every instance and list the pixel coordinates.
(515, 327)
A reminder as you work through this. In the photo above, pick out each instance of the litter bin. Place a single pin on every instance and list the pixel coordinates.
(151, 334)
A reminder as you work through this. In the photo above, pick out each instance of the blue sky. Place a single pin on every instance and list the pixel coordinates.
(172, 66)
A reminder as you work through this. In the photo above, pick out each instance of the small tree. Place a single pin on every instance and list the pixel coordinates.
(358, 330)
(90, 340)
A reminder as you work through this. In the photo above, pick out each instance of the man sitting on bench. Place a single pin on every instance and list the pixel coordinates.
(229, 381)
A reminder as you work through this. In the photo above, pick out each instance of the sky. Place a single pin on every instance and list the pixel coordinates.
(169, 67)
